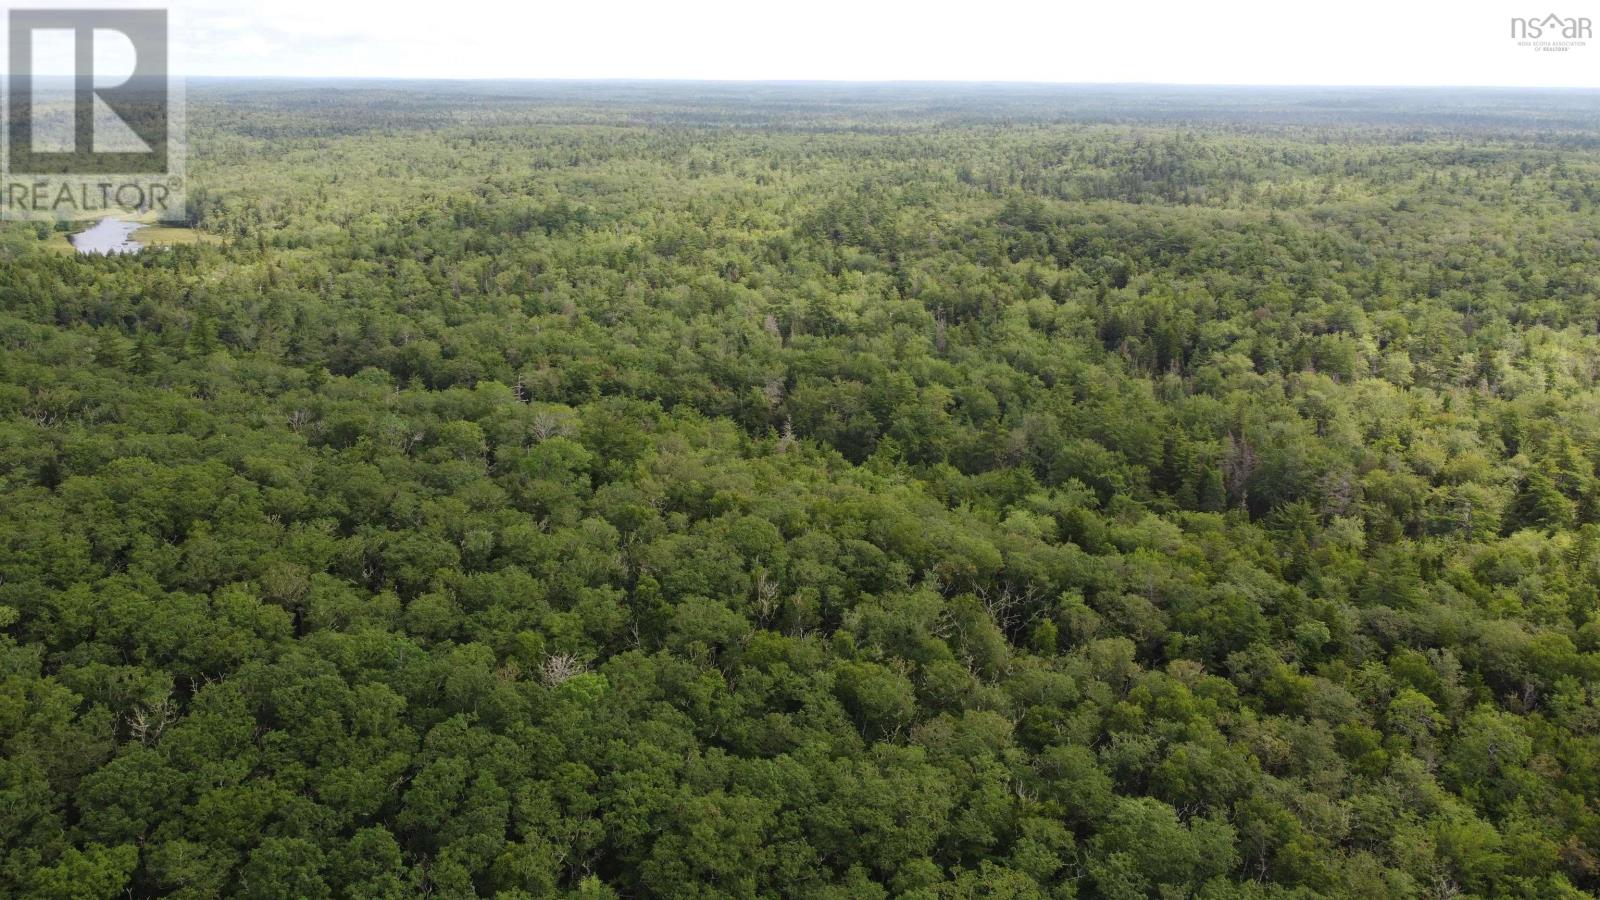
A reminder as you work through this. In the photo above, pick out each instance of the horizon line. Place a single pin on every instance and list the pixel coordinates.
(999, 82)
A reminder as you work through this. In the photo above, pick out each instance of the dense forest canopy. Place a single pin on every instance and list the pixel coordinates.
(815, 491)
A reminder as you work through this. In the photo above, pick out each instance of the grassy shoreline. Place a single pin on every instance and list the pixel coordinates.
(153, 234)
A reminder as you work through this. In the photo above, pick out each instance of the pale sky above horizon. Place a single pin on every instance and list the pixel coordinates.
(1361, 42)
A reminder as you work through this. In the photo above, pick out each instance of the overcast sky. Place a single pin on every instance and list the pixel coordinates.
(1360, 42)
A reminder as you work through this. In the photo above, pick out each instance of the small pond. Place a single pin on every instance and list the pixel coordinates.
(107, 236)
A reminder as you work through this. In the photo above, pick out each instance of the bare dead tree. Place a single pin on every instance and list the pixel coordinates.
(547, 425)
(561, 667)
(766, 596)
(1238, 464)
(773, 392)
(146, 723)
(1011, 606)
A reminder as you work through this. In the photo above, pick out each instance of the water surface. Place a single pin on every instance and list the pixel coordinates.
(107, 236)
